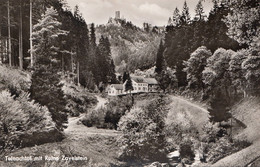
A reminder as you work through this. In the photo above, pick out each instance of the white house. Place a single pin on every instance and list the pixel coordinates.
(140, 85)
(115, 89)
(153, 85)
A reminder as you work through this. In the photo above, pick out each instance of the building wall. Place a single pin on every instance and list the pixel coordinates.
(139, 87)
(114, 92)
(153, 88)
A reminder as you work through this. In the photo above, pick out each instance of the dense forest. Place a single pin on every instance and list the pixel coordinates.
(68, 42)
(197, 49)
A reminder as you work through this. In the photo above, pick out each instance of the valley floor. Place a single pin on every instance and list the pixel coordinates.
(99, 145)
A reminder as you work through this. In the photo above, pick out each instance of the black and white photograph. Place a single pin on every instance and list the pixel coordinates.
(129, 83)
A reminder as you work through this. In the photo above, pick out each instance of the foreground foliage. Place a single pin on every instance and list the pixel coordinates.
(21, 120)
(143, 137)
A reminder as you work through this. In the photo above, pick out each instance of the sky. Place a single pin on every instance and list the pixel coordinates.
(155, 12)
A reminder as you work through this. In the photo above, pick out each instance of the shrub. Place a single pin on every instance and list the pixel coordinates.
(21, 117)
(108, 116)
(143, 136)
(216, 146)
(116, 108)
(187, 151)
(78, 100)
(210, 132)
(14, 80)
(95, 118)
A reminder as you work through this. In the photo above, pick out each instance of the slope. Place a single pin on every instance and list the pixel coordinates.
(131, 47)
(184, 111)
(248, 112)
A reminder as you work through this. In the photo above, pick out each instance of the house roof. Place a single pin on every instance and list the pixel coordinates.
(151, 81)
(138, 79)
(118, 86)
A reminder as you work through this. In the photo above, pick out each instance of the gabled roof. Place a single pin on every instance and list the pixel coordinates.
(151, 81)
(118, 86)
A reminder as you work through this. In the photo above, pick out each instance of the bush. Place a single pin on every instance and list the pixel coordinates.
(21, 119)
(216, 146)
(14, 80)
(116, 108)
(187, 151)
(95, 118)
(143, 136)
(108, 116)
(78, 100)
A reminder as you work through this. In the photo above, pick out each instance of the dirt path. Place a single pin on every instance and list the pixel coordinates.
(77, 131)
(101, 102)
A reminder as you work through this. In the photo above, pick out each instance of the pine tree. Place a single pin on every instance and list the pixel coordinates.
(102, 59)
(170, 23)
(45, 88)
(93, 54)
(92, 35)
(199, 12)
(129, 85)
(9, 34)
(125, 76)
(45, 35)
(176, 17)
(21, 36)
(185, 16)
(160, 59)
(111, 66)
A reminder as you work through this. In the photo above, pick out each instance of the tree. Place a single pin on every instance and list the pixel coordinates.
(81, 41)
(199, 12)
(129, 85)
(243, 22)
(45, 35)
(125, 76)
(21, 36)
(160, 59)
(9, 34)
(251, 66)
(143, 136)
(176, 17)
(92, 35)
(111, 76)
(45, 88)
(31, 29)
(219, 107)
(167, 79)
(216, 75)
(185, 15)
(195, 66)
(237, 73)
